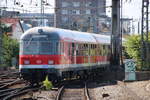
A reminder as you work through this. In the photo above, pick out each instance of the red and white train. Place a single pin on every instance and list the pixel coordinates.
(61, 53)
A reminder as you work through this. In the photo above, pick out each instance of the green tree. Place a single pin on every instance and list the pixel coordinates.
(9, 47)
(133, 48)
(10, 50)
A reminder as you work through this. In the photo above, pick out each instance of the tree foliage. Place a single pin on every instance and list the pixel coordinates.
(133, 48)
(10, 50)
(10, 47)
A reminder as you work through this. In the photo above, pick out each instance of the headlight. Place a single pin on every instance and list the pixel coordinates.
(26, 62)
(38, 61)
(50, 62)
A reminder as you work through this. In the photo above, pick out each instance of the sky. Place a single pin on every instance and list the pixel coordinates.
(131, 8)
(28, 5)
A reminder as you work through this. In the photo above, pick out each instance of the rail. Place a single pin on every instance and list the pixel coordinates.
(64, 92)
(86, 92)
(58, 97)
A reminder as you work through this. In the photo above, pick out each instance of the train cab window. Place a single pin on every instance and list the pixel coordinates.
(46, 47)
(29, 47)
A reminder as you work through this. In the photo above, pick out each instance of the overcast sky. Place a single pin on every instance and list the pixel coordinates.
(130, 9)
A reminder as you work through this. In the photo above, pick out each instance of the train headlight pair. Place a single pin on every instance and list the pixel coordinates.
(50, 62)
(26, 62)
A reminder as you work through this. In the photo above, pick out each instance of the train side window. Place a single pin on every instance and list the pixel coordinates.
(99, 50)
(73, 45)
(109, 50)
(59, 47)
(90, 49)
(104, 50)
(77, 49)
(96, 52)
(56, 47)
(62, 47)
(95, 49)
(85, 49)
(69, 49)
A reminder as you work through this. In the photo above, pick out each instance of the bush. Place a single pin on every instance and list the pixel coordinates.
(133, 48)
(10, 49)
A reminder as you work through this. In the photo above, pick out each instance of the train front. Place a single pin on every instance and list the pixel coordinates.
(38, 54)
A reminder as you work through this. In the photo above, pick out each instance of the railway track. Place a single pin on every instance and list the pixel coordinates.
(10, 94)
(10, 83)
(14, 89)
(9, 75)
(77, 93)
(9, 86)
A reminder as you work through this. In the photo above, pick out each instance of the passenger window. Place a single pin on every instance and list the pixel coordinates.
(69, 48)
(62, 48)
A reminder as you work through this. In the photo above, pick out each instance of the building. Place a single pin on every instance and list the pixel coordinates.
(30, 18)
(81, 15)
(8, 14)
(127, 26)
(35, 19)
(15, 27)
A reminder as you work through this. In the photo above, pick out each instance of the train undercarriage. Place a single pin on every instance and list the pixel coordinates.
(56, 76)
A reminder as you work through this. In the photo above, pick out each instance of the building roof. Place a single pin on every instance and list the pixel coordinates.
(16, 27)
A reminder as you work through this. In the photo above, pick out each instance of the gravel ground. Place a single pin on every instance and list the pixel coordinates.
(139, 90)
(123, 91)
(45, 95)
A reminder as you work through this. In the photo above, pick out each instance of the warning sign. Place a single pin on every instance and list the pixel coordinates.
(130, 68)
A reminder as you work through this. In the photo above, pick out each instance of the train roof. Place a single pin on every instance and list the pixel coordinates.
(69, 35)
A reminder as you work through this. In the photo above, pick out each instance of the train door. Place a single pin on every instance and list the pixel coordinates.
(73, 53)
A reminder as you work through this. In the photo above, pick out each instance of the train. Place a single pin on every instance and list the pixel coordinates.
(61, 54)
